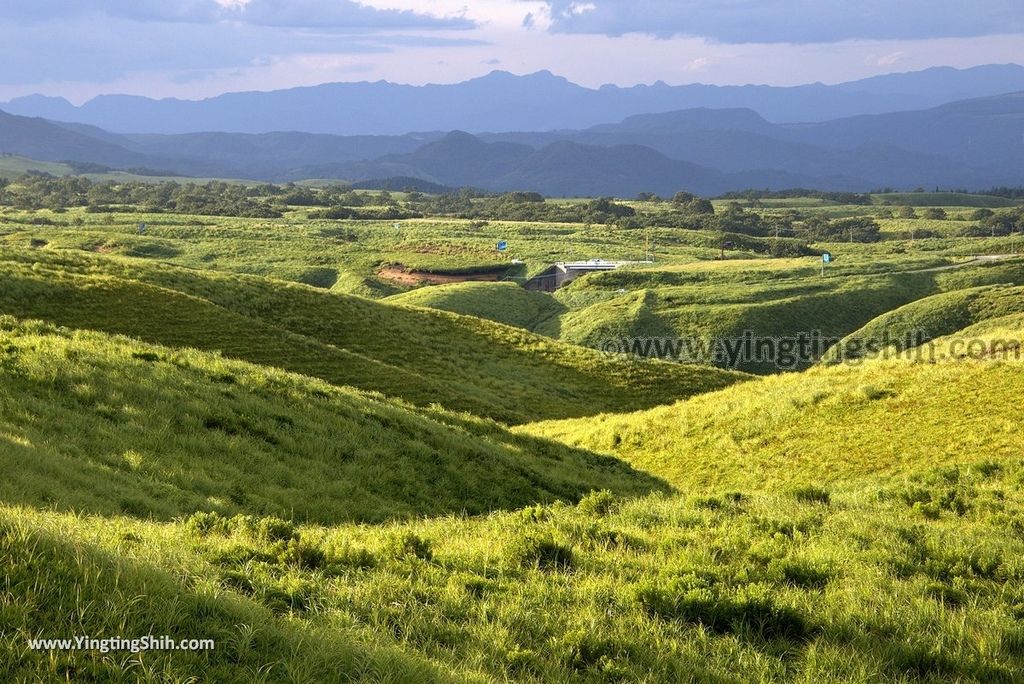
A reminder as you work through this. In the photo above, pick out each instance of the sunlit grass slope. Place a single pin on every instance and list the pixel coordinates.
(506, 303)
(932, 317)
(824, 426)
(60, 583)
(915, 581)
(423, 356)
(101, 424)
(722, 303)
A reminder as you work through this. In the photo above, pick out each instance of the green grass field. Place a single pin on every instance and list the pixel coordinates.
(244, 430)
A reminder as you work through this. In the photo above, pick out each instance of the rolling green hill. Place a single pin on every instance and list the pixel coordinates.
(422, 356)
(328, 487)
(106, 425)
(62, 581)
(506, 303)
(926, 319)
(823, 427)
(944, 199)
(725, 304)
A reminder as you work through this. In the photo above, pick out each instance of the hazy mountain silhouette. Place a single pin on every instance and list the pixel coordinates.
(501, 101)
(969, 144)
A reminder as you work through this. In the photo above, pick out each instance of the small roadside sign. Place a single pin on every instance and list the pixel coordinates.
(826, 258)
(502, 245)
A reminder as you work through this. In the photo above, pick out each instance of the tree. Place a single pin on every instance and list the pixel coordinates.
(854, 229)
(907, 212)
(935, 213)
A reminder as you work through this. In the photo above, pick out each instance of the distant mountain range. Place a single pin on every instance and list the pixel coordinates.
(502, 101)
(976, 144)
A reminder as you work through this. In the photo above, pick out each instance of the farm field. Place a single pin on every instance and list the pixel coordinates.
(270, 431)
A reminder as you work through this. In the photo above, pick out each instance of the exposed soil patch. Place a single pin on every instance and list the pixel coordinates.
(402, 276)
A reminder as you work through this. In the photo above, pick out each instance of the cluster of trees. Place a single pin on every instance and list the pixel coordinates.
(215, 198)
(37, 191)
(753, 196)
(853, 229)
(522, 206)
(993, 224)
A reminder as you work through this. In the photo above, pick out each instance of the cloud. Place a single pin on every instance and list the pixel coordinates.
(322, 14)
(337, 14)
(891, 58)
(109, 49)
(789, 21)
(698, 64)
(102, 41)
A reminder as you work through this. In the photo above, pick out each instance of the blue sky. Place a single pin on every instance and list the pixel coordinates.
(198, 48)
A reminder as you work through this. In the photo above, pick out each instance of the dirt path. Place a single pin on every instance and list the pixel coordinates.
(988, 258)
(401, 276)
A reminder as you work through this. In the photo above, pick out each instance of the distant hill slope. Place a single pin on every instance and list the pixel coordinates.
(506, 303)
(825, 427)
(983, 133)
(155, 432)
(46, 141)
(501, 101)
(422, 356)
(624, 305)
(932, 317)
(568, 168)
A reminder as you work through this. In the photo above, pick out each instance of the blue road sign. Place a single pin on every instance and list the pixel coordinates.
(826, 257)
(502, 245)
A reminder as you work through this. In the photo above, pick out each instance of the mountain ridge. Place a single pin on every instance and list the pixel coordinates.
(977, 143)
(504, 101)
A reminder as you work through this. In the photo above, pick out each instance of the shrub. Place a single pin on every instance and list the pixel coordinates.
(301, 554)
(745, 612)
(203, 523)
(275, 529)
(542, 552)
(409, 545)
(812, 494)
(597, 503)
(802, 573)
(346, 555)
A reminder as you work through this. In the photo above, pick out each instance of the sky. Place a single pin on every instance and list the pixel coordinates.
(198, 48)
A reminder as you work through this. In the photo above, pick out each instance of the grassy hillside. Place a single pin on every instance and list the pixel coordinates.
(919, 581)
(931, 317)
(943, 199)
(422, 356)
(107, 425)
(775, 300)
(825, 426)
(61, 581)
(225, 472)
(13, 166)
(506, 303)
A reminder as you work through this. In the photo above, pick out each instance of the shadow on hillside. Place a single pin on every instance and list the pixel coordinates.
(57, 574)
(504, 471)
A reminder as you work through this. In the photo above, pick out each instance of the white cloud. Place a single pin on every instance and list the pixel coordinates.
(891, 58)
(790, 21)
(698, 64)
(171, 57)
